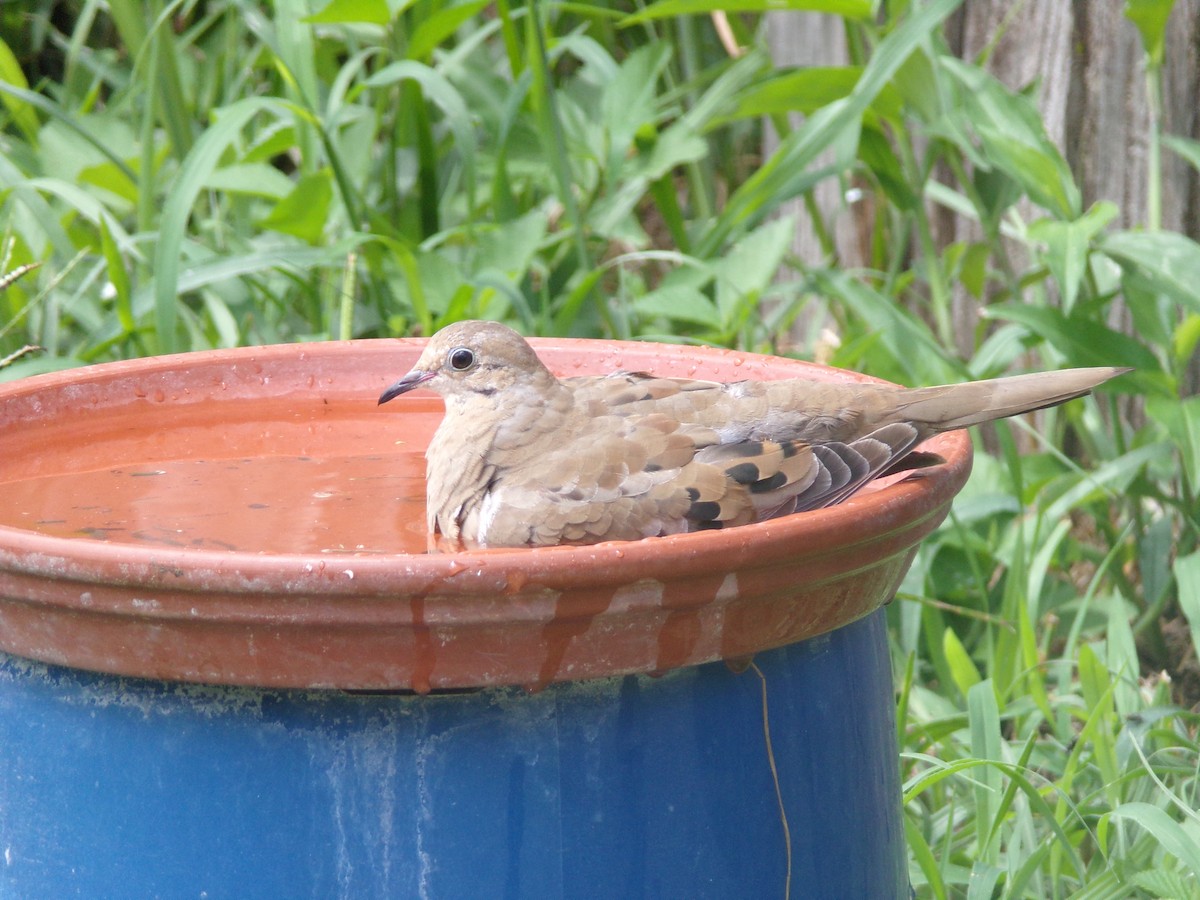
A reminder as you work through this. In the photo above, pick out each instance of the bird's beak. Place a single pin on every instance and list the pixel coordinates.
(413, 379)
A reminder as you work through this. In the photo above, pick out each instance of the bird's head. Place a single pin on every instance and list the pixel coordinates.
(469, 359)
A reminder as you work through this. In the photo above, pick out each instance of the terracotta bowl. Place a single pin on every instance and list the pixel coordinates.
(251, 517)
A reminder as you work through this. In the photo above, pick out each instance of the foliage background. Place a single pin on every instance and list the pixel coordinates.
(203, 174)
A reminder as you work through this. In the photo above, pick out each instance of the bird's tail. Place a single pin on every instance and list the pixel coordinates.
(951, 406)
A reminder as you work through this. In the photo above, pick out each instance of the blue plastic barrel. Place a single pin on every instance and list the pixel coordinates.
(627, 787)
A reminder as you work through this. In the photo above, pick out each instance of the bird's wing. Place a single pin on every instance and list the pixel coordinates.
(642, 476)
(628, 477)
(793, 476)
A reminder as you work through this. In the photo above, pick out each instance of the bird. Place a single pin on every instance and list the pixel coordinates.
(523, 458)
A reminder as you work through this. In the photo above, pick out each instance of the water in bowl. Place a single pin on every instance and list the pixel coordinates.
(301, 477)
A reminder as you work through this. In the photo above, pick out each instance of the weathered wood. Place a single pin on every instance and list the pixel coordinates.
(813, 39)
(1085, 63)
(1086, 60)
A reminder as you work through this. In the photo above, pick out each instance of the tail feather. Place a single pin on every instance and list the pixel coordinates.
(953, 406)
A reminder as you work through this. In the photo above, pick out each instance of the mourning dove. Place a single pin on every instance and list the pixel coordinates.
(523, 458)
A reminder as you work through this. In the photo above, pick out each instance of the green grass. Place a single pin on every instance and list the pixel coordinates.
(223, 173)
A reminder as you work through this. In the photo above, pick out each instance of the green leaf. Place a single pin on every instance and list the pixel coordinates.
(447, 98)
(511, 248)
(442, 24)
(73, 122)
(272, 140)
(808, 89)
(1150, 19)
(906, 338)
(222, 267)
(1187, 581)
(372, 12)
(22, 112)
(1170, 261)
(305, 211)
(983, 717)
(1185, 338)
(1093, 678)
(1084, 342)
(674, 146)
(439, 280)
(1169, 834)
(1186, 148)
(1112, 477)
(1181, 419)
(1154, 546)
(84, 204)
(47, 235)
(1122, 658)
(917, 83)
(1040, 170)
(876, 152)
(982, 881)
(252, 179)
(1035, 678)
(972, 270)
(722, 94)
(918, 846)
(117, 276)
(666, 9)
(108, 176)
(222, 321)
(681, 303)
(1096, 684)
(749, 267)
(962, 669)
(1154, 313)
(194, 171)
(833, 127)
(1067, 245)
(629, 99)
(1164, 883)
(1013, 138)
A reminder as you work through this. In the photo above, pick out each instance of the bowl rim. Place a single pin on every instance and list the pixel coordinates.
(865, 518)
(469, 619)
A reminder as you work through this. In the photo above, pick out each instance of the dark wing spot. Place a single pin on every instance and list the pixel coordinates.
(744, 473)
(704, 510)
(778, 480)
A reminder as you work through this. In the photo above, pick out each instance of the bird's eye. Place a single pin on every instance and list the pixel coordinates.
(461, 359)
